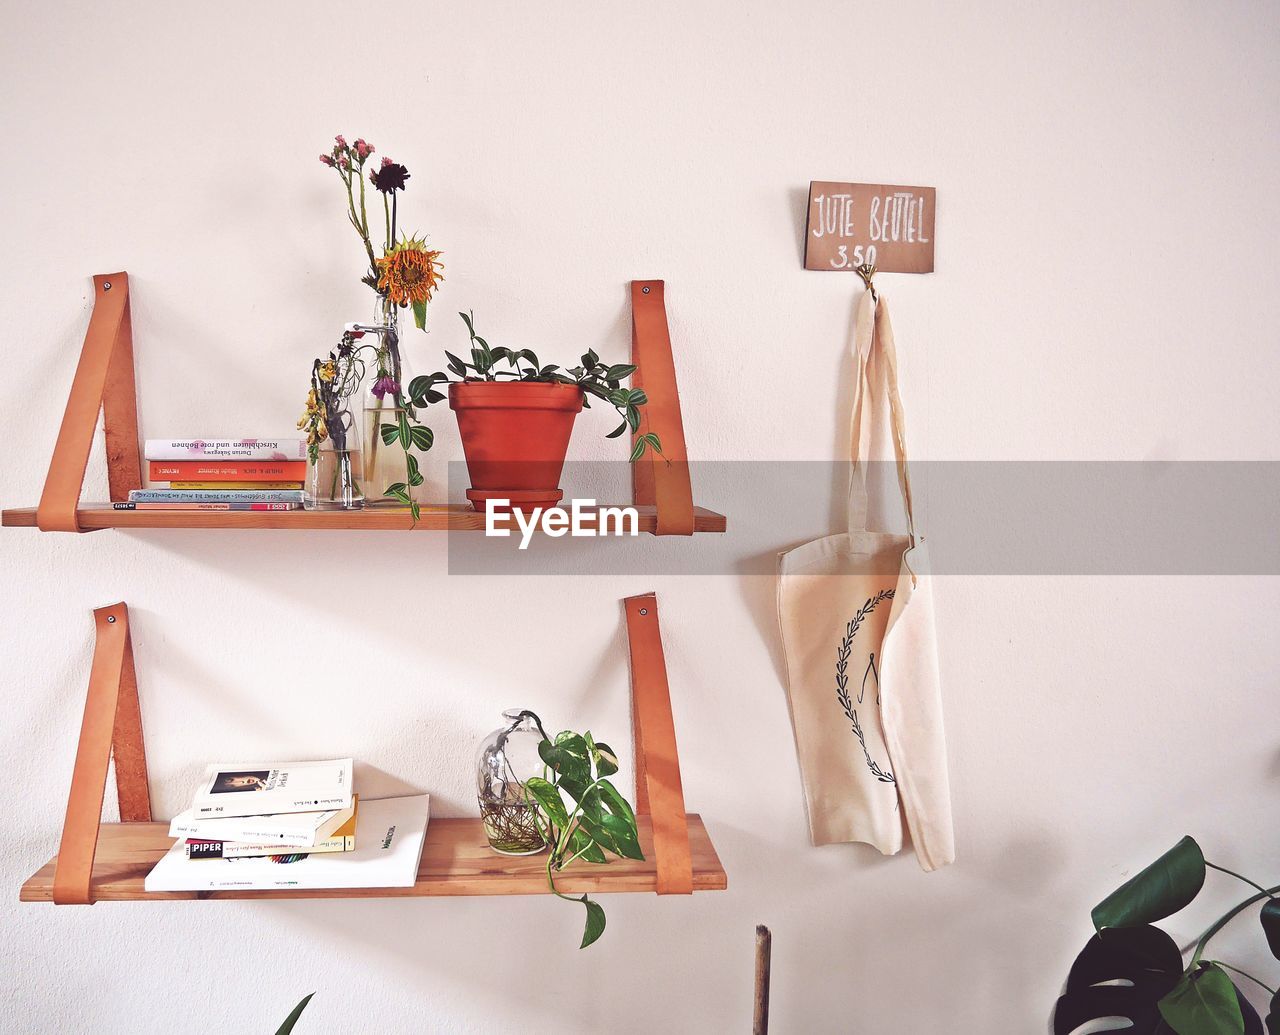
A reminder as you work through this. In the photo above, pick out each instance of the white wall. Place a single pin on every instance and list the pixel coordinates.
(1105, 290)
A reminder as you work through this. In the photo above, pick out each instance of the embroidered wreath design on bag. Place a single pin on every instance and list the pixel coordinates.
(842, 682)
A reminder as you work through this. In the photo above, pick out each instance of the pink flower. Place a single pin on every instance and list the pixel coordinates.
(386, 383)
(363, 148)
(327, 159)
(344, 163)
(385, 161)
(342, 141)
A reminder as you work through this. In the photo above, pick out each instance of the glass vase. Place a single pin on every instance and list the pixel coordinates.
(386, 380)
(335, 479)
(507, 758)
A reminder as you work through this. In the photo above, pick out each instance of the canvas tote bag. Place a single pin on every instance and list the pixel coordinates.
(857, 632)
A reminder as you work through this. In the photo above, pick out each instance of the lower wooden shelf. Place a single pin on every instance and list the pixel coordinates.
(435, 517)
(456, 860)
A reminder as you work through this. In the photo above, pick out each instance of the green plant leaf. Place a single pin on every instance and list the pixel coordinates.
(415, 476)
(638, 397)
(618, 371)
(623, 835)
(580, 842)
(1158, 891)
(1203, 1003)
(423, 437)
(567, 756)
(405, 435)
(1271, 925)
(420, 315)
(1273, 1016)
(389, 433)
(605, 758)
(468, 319)
(292, 1019)
(1121, 973)
(633, 418)
(595, 922)
(418, 387)
(550, 801)
(637, 451)
(455, 364)
(621, 429)
(615, 802)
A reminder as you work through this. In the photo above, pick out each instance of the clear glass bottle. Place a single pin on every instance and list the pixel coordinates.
(506, 759)
(385, 464)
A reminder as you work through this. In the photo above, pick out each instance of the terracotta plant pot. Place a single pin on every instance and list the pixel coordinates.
(515, 435)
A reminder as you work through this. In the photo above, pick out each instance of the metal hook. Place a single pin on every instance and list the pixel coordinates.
(866, 271)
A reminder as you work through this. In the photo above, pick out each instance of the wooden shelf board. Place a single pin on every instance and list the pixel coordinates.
(456, 860)
(434, 518)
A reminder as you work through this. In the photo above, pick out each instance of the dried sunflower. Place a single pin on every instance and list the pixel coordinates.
(409, 273)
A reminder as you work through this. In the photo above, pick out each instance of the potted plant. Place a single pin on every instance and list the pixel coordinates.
(515, 416)
(1133, 970)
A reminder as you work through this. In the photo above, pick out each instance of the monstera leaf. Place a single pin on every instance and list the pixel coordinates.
(1147, 963)
(1160, 890)
(1271, 925)
(1123, 974)
(1204, 1002)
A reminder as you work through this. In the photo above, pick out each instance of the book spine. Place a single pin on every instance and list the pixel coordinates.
(198, 848)
(226, 449)
(231, 470)
(258, 807)
(206, 506)
(215, 496)
(177, 483)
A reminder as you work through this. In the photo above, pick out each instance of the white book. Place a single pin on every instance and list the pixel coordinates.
(266, 788)
(299, 829)
(226, 449)
(389, 835)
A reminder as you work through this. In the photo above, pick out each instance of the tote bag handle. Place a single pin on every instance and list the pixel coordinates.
(873, 336)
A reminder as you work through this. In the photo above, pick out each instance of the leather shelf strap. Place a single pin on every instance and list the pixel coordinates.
(655, 481)
(112, 716)
(104, 381)
(658, 790)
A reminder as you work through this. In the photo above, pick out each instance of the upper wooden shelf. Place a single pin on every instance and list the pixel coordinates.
(456, 860)
(434, 518)
(104, 383)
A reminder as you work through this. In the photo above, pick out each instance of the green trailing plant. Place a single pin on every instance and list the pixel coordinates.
(1134, 970)
(602, 381)
(580, 813)
(292, 1019)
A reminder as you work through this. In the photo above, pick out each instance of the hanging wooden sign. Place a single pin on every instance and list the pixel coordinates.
(852, 223)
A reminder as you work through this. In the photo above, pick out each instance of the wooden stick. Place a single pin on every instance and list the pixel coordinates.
(764, 951)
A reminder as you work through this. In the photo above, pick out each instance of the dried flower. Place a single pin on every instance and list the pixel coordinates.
(341, 140)
(386, 385)
(327, 159)
(389, 177)
(328, 370)
(363, 148)
(344, 163)
(409, 273)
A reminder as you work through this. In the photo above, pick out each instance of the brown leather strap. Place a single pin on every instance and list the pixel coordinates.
(658, 790)
(111, 713)
(101, 378)
(655, 481)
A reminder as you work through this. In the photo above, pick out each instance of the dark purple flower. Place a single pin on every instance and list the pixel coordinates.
(389, 177)
(386, 384)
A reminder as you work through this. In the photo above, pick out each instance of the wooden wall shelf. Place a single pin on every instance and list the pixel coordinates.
(104, 382)
(455, 861)
(99, 861)
(434, 518)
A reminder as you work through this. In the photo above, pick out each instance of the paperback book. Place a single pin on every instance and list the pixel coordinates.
(174, 505)
(390, 833)
(177, 483)
(226, 449)
(295, 829)
(263, 788)
(172, 495)
(342, 839)
(231, 470)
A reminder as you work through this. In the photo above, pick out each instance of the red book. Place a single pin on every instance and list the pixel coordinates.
(227, 471)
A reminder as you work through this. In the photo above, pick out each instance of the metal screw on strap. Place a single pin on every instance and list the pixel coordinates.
(111, 619)
(644, 291)
(644, 610)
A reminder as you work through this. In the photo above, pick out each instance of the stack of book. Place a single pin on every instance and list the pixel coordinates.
(222, 474)
(248, 819)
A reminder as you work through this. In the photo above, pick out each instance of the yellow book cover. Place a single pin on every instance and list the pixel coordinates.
(235, 485)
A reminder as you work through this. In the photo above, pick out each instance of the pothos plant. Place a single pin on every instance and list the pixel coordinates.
(580, 814)
(596, 379)
(1133, 970)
